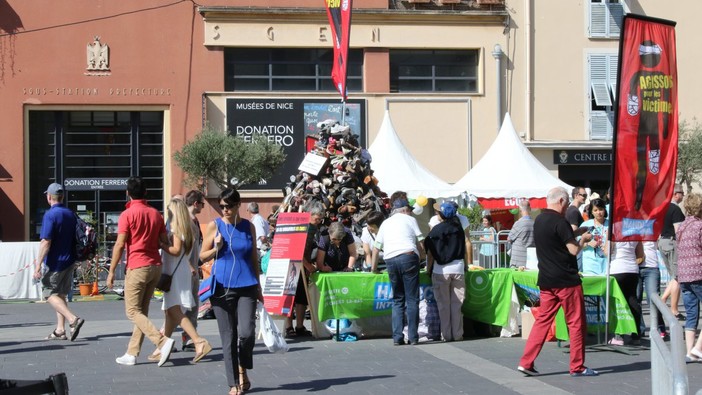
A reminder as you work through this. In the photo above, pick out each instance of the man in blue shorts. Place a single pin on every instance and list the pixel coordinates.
(57, 253)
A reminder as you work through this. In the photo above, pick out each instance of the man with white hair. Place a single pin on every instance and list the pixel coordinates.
(262, 228)
(559, 284)
(522, 235)
(401, 241)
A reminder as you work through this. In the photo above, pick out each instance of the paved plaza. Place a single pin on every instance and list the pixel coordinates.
(368, 366)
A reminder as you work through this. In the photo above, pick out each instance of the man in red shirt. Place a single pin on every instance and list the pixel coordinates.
(142, 231)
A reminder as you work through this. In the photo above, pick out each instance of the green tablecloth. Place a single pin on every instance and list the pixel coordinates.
(354, 295)
(488, 296)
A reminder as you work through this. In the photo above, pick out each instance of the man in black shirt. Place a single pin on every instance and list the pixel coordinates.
(573, 215)
(560, 285)
(667, 245)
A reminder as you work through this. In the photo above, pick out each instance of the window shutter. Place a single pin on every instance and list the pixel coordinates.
(613, 62)
(616, 16)
(599, 82)
(598, 20)
(600, 126)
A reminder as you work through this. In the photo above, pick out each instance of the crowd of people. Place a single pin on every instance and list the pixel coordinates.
(566, 245)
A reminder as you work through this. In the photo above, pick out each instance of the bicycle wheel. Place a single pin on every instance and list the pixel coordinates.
(102, 273)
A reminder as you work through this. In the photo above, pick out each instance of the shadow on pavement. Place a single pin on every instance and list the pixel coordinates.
(320, 385)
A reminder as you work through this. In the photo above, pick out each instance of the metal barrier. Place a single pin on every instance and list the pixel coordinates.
(668, 371)
(500, 246)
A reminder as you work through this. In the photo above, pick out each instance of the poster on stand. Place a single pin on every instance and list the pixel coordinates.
(285, 264)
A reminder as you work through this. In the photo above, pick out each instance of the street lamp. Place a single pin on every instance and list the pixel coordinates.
(497, 54)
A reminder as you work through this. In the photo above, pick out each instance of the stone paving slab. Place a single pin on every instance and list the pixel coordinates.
(368, 366)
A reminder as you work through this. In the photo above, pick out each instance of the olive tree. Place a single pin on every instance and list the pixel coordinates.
(689, 153)
(228, 161)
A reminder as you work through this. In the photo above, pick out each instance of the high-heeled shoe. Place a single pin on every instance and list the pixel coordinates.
(206, 348)
(244, 382)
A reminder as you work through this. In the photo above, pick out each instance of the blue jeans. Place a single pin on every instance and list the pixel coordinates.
(403, 271)
(692, 295)
(650, 279)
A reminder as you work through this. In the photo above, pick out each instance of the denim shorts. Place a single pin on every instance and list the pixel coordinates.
(692, 296)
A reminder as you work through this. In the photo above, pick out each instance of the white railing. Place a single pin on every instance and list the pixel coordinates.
(668, 371)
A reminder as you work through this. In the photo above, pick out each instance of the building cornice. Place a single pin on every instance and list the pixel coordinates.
(569, 144)
(297, 15)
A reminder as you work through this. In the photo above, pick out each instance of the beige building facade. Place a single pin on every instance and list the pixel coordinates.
(433, 65)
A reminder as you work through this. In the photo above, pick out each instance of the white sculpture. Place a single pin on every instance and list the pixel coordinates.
(98, 55)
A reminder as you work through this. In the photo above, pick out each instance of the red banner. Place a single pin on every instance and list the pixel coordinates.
(646, 129)
(506, 203)
(339, 14)
(285, 262)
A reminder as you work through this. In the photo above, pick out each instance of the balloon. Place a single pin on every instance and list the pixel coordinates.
(411, 202)
(422, 200)
(417, 209)
(514, 211)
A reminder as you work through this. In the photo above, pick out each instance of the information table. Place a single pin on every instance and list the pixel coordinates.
(488, 298)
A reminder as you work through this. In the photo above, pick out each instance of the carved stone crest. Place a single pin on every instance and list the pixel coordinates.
(98, 56)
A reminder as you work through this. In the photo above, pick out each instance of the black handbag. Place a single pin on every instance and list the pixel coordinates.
(164, 282)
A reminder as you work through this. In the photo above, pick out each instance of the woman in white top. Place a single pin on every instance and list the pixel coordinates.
(373, 222)
(624, 267)
(178, 262)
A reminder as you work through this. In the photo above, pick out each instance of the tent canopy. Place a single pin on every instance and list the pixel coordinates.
(508, 172)
(397, 170)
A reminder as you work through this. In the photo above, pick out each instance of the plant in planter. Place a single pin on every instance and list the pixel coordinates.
(87, 273)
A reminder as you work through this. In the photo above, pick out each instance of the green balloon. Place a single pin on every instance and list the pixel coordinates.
(514, 211)
(411, 202)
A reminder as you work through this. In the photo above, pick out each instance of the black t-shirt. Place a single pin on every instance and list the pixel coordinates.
(573, 216)
(674, 215)
(557, 267)
(446, 241)
(336, 257)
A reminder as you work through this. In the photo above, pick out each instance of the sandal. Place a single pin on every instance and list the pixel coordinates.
(300, 332)
(56, 336)
(290, 332)
(206, 348)
(244, 382)
(75, 327)
(235, 391)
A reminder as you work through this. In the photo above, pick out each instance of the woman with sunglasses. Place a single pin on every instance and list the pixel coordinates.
(337, 250)
(594, 258)
(230, 241)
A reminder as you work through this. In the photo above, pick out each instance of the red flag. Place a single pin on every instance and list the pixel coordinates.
(646, 129)
(339, 14)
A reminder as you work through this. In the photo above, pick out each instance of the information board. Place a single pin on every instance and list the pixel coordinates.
(287, 122)
(285, 264)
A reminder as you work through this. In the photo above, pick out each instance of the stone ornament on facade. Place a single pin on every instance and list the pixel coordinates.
(98, 56)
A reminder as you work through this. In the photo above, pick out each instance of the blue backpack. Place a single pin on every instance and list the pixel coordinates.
(86, 240)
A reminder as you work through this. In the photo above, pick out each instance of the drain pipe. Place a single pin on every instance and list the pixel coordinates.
(497, 54)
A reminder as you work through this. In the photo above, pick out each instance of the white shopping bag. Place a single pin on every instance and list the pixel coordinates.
(272, 337)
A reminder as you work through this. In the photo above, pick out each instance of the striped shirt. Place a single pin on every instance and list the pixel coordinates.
(521, 236)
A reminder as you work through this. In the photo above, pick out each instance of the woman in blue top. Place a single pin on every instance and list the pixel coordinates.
(594, 259)
(230, 240)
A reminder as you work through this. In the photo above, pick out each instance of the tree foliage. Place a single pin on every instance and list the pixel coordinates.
(689, 153)
(228, 161)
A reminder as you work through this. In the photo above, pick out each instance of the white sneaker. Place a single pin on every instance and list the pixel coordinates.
(166, 351)
(126, 359)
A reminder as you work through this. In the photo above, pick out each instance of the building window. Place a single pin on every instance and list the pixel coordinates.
(287, 69)
(433, 70)
(605, 18)
(603, 90)
(93, 144)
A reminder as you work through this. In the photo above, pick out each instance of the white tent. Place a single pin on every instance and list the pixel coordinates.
(507, 172)
(397, 170)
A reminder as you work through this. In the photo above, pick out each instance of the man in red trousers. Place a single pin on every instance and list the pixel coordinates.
(560, 284)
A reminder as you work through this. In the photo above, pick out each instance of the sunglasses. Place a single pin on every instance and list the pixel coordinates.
(583, 195)
(228, 206)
